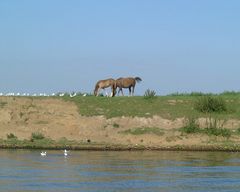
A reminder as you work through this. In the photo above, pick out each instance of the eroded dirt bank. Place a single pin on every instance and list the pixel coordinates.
(57, 119)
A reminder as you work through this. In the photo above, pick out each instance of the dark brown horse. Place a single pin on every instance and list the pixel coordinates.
(102, 84)
(128, 82)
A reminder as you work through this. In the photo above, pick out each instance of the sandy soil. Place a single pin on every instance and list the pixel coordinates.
(56, 119)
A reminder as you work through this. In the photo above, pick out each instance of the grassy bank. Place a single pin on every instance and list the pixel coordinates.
(50, 144)
(170, 107)
(205, 127)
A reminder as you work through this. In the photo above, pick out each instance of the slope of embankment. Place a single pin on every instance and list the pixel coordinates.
(113, 123)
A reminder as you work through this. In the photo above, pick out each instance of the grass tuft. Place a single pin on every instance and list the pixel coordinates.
(37, 136)
(2, 104)
(191, 126)
(144, 130)
(208, 104)
(11, 136)
(214, 127)
(115, 125)
(149, 94)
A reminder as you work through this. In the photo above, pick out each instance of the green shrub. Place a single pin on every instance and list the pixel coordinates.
(189, 94)
(191, 126)
(214, 126)
(208, 104)
(37, 136)
(11, 136)
(230, 93)
(149, 94)
(218, 131)
(238, 131)
(2, 104)
(115, 125)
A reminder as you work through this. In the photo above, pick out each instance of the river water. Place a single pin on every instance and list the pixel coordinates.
(27, 170)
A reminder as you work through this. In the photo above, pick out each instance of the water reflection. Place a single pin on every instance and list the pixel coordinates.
(26, 170)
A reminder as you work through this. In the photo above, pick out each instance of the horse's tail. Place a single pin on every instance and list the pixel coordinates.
(138, 79)
(114, 87)
(115, 84)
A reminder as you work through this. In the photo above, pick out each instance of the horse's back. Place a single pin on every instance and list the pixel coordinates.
(125, 82)
(106, 83)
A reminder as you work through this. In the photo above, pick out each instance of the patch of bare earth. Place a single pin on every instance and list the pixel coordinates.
(56, 119)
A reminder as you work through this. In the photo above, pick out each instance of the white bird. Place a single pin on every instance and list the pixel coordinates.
(53, 94)
(61, 94)
(85, 94)
(65, 153)
(73, 95)
(43, 153)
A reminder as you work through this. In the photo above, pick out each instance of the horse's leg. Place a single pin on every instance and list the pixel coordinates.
(114, 87)
(122, 91)
(97, 92)
(111, 94)
(105, 92)
(113, 91)
(129, 90)
(133, 90)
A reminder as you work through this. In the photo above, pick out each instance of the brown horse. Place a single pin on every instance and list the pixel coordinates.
(128, 82)
(102, 84)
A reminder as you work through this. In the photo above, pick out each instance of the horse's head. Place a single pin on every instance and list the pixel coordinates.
(96, 89)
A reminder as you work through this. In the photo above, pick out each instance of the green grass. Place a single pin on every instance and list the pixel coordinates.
(2, 104)
(161, 105)
(209, 131)
(144, 130)
(62, 143)
(149, 94)
(37, 136)
(39, 141)
(217, 131)
(214, 127)
(130, 106)
(208, 104)
(238, 131)
(191, 126)
(41, 122)
(115, 125)
(11, 136)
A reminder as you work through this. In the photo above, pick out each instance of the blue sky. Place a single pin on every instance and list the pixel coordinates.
(174, 46)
